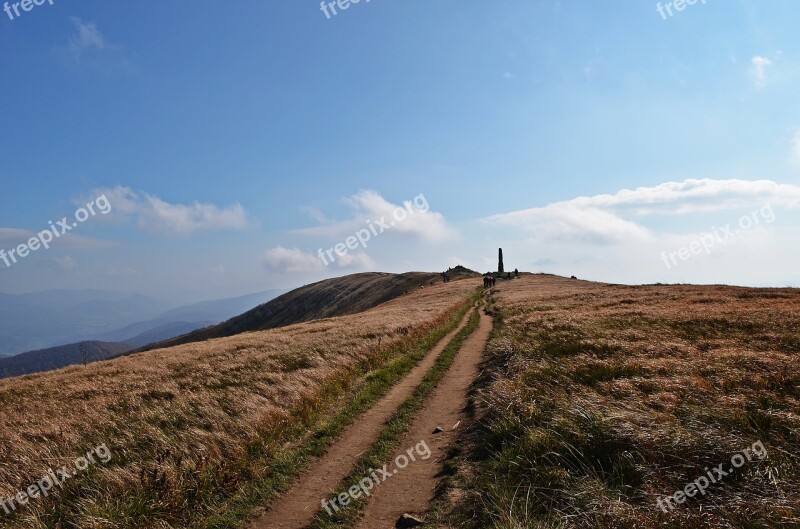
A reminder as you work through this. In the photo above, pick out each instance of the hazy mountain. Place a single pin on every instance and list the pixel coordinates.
(58, 357)
(221, 309)
(165, 332)
(187, 318)
(55, 317)
(52, 318)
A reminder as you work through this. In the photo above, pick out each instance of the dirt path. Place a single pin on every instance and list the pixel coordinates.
(411, 490)
(297, 507)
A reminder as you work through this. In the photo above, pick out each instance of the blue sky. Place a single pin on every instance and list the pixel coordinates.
(234, 140)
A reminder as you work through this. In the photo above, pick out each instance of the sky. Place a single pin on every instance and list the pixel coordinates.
(236, 143)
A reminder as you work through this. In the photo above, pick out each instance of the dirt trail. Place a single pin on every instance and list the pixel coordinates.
(411, 490)
(297, 507)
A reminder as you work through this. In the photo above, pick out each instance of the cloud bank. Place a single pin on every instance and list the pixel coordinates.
(611, 218)
(296, 261)
(366, 206)
(157, 216)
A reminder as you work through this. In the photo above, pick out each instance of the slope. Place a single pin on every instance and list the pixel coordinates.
(195, 426)
(325, 299)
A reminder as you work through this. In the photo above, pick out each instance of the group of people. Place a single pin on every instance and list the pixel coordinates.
(490, 279)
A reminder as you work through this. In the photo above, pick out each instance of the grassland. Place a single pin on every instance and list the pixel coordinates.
(599, 400)
(207, 428)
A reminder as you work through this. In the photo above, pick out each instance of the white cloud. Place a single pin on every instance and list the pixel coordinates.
(158, 216)
(571, 220)
(356, 261)
(758, 70)
(293, 260)
(418, 221)
(602, 218)
(86, 37)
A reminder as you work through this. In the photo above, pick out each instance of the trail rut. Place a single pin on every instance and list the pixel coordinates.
(296, 508)
(411, 490)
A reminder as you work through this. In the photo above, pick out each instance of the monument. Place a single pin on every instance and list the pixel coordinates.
(500, 267)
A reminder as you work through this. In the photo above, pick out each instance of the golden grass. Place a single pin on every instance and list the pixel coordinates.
(182, 423)
(599, 399)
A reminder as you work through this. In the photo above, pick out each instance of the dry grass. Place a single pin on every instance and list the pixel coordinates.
(188, 425)
(599, 399)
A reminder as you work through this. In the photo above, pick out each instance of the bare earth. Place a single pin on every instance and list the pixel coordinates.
(296, 509)
(411, 489)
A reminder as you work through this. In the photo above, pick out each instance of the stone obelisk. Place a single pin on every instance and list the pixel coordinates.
(500, 267)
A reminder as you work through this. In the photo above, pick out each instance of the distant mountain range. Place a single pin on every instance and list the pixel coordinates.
(58, 357)
(55, 317)
(52, 318)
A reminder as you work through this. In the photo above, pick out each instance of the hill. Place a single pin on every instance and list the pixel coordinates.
(325, 299)
(61, 356)
(188, 427)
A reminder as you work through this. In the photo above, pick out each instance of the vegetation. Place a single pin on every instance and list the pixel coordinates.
(600, 400)
(205, 428)
(388, 442)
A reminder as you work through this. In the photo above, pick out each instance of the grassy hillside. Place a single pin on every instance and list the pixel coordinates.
(599, 401)
(192, 427)
(324, 299)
